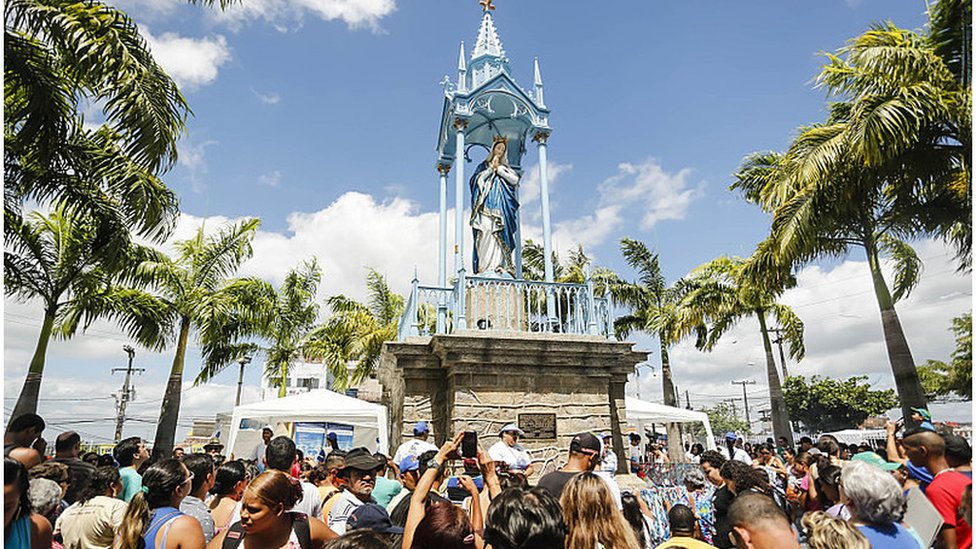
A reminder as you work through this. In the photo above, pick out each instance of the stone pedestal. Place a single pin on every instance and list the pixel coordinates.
(553, 385)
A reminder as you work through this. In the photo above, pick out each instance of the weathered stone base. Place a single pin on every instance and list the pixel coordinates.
(478, 381)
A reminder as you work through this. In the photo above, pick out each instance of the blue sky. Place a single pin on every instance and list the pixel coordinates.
(320, 117)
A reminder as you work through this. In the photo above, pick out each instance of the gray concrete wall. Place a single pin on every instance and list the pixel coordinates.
(481, 381)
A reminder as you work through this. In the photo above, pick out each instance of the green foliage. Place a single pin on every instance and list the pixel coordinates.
(58, 55)
(723, 419)
(827, 404)
(355, 333)
(942, 379)
(55, 259)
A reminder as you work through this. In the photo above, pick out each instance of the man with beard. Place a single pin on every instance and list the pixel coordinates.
(359, 477)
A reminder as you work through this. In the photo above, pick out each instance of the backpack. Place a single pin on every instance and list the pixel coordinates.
(235, 534)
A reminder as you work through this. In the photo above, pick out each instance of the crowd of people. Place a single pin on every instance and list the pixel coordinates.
(821, 494)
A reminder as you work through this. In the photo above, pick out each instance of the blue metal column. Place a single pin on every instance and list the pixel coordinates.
(541, 137)
(442, 168)
(460, 124)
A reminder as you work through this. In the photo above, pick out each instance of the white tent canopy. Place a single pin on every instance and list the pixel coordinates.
(641, 413)
(317, 406)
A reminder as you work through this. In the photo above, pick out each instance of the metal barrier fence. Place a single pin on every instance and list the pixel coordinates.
(505, 305)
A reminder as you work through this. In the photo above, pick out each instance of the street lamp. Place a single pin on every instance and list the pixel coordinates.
(243, 360)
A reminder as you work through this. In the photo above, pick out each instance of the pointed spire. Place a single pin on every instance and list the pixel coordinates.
(487, 42)
(538, 85)
(462, 79)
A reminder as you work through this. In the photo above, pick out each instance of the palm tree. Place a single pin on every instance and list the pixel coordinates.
(56, 54)
(356, 331)
(654, 310)
(55, 259)
(908, 119)
(290, 314)
(720, 293)
(198, 294)
(857, 207)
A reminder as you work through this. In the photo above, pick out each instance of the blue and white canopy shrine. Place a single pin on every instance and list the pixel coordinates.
(485, 108)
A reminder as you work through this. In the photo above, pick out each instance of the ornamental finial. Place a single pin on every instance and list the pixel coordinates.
(486, 5)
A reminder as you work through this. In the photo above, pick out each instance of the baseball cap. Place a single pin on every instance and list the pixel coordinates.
(731, 436)
(585, 443)
(511, 427)
(361, 459)
(874, 459)
(372, 516)
(924, 413)
(421, 427)
(332, 436)
(267, 428)
(409, 463)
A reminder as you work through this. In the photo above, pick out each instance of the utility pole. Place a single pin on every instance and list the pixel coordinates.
(128, 392)
(745, 397)
(243, 360)
(779, 343)
(687, 400)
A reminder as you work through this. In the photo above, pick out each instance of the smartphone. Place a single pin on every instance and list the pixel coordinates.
(900, 423)
(469, 444)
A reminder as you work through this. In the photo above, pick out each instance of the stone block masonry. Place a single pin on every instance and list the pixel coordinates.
(480, 381)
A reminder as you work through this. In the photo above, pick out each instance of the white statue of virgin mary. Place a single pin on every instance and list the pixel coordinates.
(494, 213)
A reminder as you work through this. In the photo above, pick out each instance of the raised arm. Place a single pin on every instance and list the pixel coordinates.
(487, 466)
(418, 500)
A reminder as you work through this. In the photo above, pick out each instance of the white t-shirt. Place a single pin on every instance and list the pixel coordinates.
(515, 456)
(609, 463)
(340, 512)
(91, 525)
(311, 503)
(612, 485)
(414, 448)
(258, 453)
(739, 455)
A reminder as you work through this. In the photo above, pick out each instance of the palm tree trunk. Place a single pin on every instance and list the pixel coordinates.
(284, 380)
(899, 354)
(781, 418)
(27, 401)
(169, 412)
(675, 451)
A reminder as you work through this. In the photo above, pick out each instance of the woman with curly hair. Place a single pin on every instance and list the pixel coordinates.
(827, 532)
(591, 516)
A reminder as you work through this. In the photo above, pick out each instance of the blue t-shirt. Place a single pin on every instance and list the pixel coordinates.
(893, 536)
(385, 489)
(131, 483)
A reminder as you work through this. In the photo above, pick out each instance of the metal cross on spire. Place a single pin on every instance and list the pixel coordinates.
(487, 5)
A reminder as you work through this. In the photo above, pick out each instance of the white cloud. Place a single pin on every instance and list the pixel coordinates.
(529, 187)
(649, 189)
(285, 14)
(271, 98)
(272, 179)
(191, 62)
(193, 157)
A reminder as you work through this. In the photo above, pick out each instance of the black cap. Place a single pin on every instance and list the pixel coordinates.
(362, 460)
(585, 443)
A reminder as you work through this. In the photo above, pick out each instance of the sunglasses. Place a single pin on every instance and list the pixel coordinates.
(189, 479)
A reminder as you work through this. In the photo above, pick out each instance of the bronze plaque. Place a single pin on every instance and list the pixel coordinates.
(538, 426)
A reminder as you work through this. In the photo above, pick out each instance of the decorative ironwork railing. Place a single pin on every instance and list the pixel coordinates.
(505, 305)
